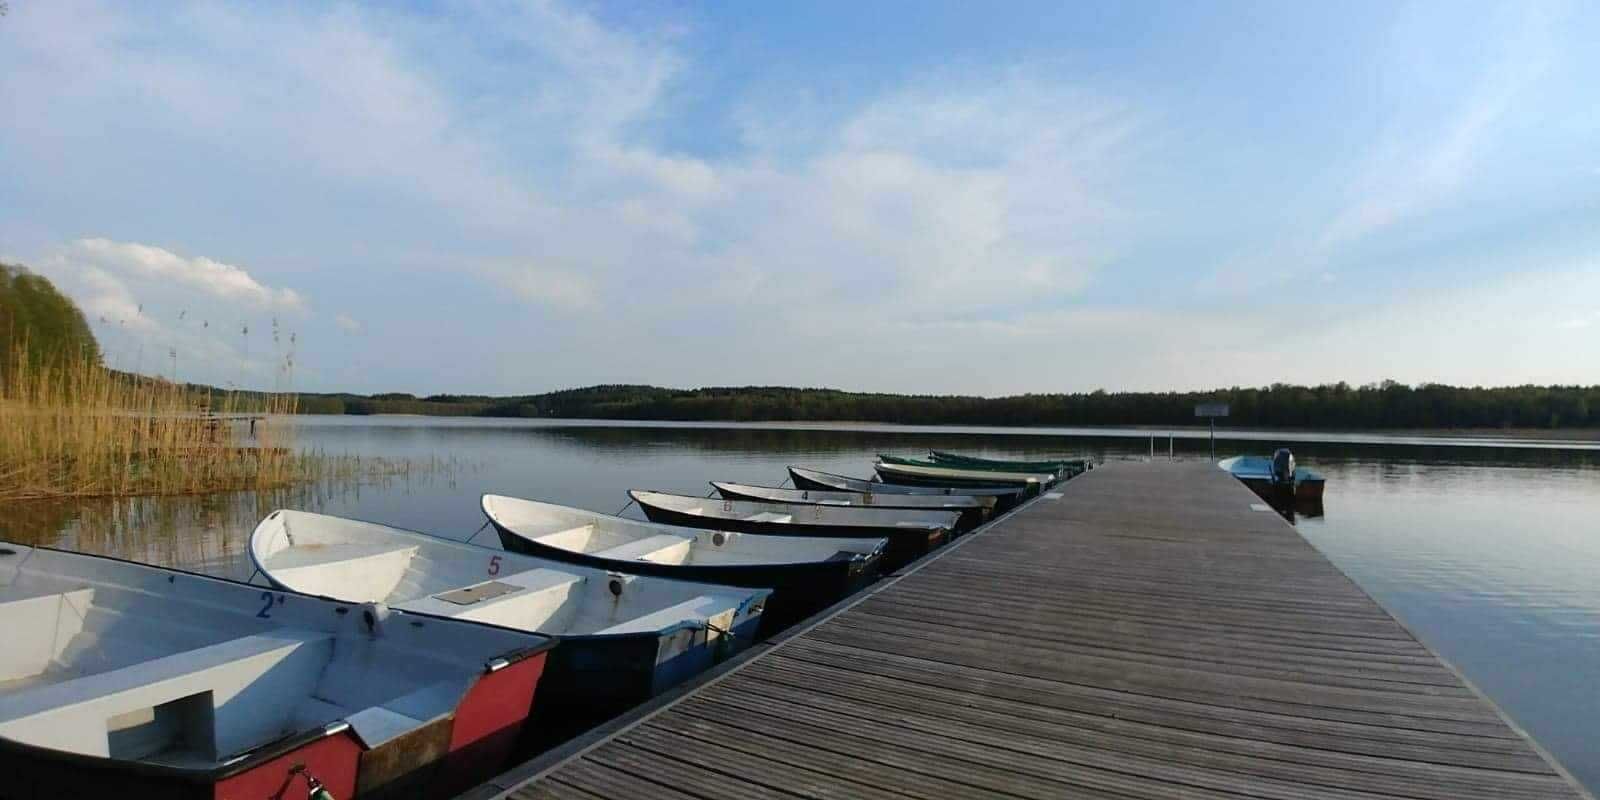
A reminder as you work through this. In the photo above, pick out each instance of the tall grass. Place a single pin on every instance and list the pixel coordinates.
(71, 428)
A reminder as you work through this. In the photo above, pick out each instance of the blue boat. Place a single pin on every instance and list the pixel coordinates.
(1276, 477)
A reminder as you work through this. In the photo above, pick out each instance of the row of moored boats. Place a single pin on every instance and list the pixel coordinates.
(374, 661)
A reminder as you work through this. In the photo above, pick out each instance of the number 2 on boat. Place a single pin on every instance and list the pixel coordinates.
(267, 599)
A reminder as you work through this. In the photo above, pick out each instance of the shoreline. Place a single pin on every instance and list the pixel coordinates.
(1575, 438)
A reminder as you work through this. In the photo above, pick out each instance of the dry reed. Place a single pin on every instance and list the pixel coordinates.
(71, 428)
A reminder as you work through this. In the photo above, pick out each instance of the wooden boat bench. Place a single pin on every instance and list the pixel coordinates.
(366, 570)
(41, 629)
(574, 539)
(663, 548)
(504, 600)
(209, 701)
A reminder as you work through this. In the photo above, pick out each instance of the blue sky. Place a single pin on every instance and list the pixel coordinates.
(511, 197)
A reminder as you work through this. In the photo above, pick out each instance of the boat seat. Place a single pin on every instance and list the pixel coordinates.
(38, 629)
(574, 539)
(367, 571)
(216, 700)
(694, 609)
(770, 516)
(505, 600)
(663, 548)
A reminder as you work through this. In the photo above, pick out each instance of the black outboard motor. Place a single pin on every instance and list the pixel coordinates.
(1283, 467)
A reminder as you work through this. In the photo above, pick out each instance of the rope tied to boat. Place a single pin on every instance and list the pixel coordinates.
(624, 507)
(478, 531)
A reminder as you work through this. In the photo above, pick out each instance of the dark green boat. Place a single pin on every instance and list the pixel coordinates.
(1065, 466)
(917, 472)
(1052, 470)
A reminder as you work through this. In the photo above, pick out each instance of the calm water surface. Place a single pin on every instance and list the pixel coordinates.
(1490, 552)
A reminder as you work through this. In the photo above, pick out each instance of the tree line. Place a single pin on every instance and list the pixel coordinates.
(36, 319)
(1386, 405)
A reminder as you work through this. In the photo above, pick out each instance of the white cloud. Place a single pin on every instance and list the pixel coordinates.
(154, 311)
(221, 280)
(348, 324)
(557, 289)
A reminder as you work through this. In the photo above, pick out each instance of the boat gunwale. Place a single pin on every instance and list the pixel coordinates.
(845, 531)
(1026, 480)
(977, 500)
(580, 558)
(999, 492)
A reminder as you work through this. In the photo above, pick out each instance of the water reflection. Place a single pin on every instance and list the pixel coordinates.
(199, 533)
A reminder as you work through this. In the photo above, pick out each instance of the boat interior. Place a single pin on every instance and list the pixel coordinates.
(119, 660)
(359, 560)
(624, 539)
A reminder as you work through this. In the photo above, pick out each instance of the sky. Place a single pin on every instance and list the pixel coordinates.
(933, 197)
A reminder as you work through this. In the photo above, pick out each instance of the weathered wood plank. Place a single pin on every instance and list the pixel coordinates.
(1383, 774)
(1004, 696)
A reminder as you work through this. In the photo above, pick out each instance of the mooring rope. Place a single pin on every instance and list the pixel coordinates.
(478, 531)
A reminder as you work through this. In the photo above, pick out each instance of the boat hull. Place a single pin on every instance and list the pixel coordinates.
(934, 476)
(590, 679)
(971, 516)
(905, 544)
(1256, 473)
(799, 590)
(1065, 467)
(1308, 489)
(1006, 497)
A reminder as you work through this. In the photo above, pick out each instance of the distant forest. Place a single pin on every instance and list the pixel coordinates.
(36, 320)
(1386, 405)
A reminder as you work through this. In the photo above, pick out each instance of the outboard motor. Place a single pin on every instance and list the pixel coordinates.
(1283, 467)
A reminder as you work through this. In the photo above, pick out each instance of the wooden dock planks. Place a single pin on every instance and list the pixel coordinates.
(1147, 635)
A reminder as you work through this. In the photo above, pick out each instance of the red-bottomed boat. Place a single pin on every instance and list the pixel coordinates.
(121, 679)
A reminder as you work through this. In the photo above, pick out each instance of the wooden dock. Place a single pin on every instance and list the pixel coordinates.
(1142, 632)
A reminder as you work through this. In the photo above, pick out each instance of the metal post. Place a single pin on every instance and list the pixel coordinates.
(1169, 447)
(1152, 448)
(1213, 438)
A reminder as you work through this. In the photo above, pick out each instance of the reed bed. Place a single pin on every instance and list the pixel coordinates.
(71, 428)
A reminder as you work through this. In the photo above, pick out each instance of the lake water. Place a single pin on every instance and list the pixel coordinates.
(1488, 551)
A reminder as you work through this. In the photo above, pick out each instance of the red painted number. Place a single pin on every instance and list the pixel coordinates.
(494, 565)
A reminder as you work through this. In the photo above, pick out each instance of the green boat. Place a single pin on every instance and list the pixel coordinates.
(1065, 466)
(916, 472)
(1052, 469)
